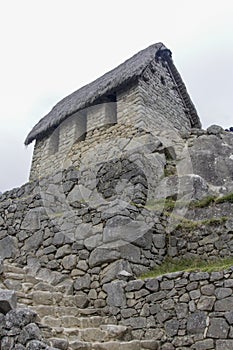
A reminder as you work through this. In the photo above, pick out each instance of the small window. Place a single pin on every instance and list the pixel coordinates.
(162, 80)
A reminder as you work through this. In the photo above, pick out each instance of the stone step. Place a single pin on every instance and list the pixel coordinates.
(80, 322)
(14, 269)
(22, 277)
(59, 311)
(101, 334)
(115, 345)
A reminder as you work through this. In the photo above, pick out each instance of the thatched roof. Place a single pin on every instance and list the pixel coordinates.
(88, 94)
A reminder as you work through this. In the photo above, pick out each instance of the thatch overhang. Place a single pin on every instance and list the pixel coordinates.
(107, 84)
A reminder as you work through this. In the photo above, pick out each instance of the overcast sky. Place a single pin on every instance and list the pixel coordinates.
(49, 48)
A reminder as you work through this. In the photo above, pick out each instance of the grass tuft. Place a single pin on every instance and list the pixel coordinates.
(190, 265)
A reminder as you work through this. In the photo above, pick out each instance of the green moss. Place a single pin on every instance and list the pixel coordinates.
(209, 200)
(203, 203)
(226, 198)
(170, 265)
(166, 204)
(190, 224)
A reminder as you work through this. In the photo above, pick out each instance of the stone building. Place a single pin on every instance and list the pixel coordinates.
(145, 91)
(123, 178)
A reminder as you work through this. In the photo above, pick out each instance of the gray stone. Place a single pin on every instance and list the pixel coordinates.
(195, 294)
(29, 332)
(8, 247)
(127, 313)
(152, 284)
(206, 303)
(1, 266)
(168, 346)
(228, 283)
(63, 251)
(159, 240)
(20, 317)
(135, 322)
(215, 130)
(218, 328)
(115, 292)
(81, 300)
(199, 276)
(131, 253)
(8, 301)
(222, 293)
(216, 276)
(166, 285)
(122, 228)
(171, 327)
(224, 304)
(82, 282)
(196, 322)
(94, 241)
(59, 343)
(69, 262)
(102, 255)
(113, 269)
(224, 344)
(7, 343)
(181, 310)
(203, 344)
(208, 289)
(36, 345)
(229, 317)
(134, 285)
(31, 221)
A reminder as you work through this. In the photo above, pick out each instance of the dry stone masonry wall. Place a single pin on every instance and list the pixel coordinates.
(85, 233)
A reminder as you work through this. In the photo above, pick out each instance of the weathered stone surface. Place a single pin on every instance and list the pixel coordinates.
(215, 130)
(218, 328)
(102, 255)
(206, 303)
(223, 292)
(29, 332)
(115, 292)
(172, 327)
(8, 301)
(58, 343)
(1, 266)
(82, 282)
(8, 247)
(113, 269)
(203, 344)
(224, 344)
(196, 322)
(152, 284)
(224, 304)
(20, 317)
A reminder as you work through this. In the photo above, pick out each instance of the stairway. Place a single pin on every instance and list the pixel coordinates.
(62, 323)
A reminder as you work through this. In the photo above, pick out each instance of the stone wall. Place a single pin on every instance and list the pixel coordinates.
(62, 230)
(160, 98)
(183, 310)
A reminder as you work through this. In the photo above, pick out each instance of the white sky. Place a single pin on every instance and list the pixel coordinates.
(50, 48)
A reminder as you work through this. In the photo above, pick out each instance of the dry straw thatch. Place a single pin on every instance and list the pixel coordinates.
(110, 82)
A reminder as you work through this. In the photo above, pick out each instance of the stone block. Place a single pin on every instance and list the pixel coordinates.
(8, 301)
(205, 344)
(224, 344)
(224, 304)
(196, 322)
(8, 247)
(116, 295)
(218, 328)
